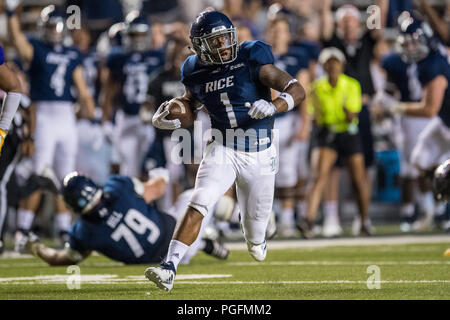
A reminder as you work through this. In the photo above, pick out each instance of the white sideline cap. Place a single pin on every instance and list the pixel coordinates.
(329, 53)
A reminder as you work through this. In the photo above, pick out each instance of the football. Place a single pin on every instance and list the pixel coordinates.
(181, 110)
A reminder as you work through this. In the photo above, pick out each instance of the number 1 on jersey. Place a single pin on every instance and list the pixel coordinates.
(229, 109)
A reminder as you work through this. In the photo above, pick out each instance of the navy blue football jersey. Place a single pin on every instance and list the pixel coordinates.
(436, 64)
(132, 71)
(293, 61)
(404, 76)
(224, 91)
(51, 71)
(131, 231)
(2, 56)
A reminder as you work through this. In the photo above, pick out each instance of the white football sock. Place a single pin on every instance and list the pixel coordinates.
(301, 209)
(63, 221)
(331, 211)
(407, 210)
(286, 217)
(177, 250)
(25, 219)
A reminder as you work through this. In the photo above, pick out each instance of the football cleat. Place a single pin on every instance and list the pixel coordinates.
(163, 276)
(257, 251)
(20, 241)
(216, 249)
(306, 228)
(2, 139)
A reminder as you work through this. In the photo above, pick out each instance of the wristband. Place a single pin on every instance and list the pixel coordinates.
(289, 100)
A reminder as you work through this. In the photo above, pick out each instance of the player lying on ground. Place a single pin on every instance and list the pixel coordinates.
(120, 222)
(228, 79)
(10, 84)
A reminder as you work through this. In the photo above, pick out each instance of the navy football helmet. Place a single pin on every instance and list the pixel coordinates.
(80, 193)
(214, 38)
(52, 25)
(416, 39)
(137, 35)
(441, 182)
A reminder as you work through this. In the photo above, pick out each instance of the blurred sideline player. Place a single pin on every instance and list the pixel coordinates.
(417, 44)
(164, 85)
(233, 82)
(119, 221)
(10, 149)
(94, 140)
(402, 77)
(128, 77)
(53, 69)
(293, 126)
(9, 84)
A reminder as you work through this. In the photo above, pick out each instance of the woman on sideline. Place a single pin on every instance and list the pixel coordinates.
(335, 102)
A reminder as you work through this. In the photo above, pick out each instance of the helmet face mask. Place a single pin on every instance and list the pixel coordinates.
(214, 38)
(137, 37)
(412, 47)
(52, 26)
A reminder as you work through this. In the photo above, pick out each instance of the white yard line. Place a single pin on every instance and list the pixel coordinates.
(369, 241)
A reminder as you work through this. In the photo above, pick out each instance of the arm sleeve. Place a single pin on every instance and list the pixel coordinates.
(116, 185)
(260, 54)
(430, 70)
(77, 238)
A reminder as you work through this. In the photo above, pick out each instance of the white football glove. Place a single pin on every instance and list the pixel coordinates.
(159, 172)
(388, 102)
(159, 118)
(11, 5)
(261, 109)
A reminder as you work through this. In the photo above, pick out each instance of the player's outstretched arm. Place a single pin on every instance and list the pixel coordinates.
(57, 257)
(18, 38)
(84, 97)
(292, 93)
(433, 95)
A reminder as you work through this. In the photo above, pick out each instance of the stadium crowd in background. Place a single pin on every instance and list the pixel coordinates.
(92, 112)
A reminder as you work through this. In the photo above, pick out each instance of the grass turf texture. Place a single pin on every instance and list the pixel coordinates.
(303, 273)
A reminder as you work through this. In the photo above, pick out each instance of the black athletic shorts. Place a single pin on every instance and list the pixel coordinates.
(344, 143)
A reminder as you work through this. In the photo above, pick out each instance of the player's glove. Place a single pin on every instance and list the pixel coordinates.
(159, 172)
(11, 6)
(261, 109)
(388, 103)
(159, 118)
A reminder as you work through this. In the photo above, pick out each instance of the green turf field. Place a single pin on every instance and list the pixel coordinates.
(413, 271)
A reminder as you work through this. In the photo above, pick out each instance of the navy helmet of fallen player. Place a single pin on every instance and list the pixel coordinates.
(52, 25)
(214, 38)
(416, 39)
(80, 193)
(137, 35)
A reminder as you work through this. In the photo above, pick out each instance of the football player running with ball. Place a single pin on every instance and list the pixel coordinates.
(233, 82)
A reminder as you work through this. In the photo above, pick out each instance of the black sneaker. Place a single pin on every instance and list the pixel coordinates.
(216, 249)
(306, 228)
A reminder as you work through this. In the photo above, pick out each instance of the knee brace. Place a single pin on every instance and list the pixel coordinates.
(200, 201)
